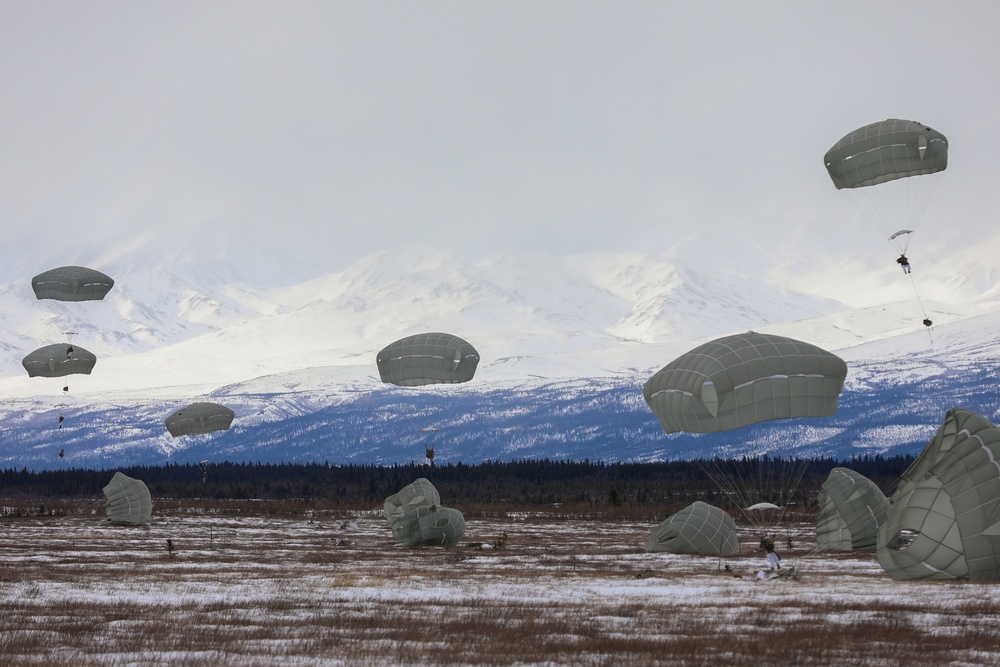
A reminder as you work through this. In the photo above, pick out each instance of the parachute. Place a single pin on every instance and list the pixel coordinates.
(740, 380)
(699, 528)
(59, 360)
(66, 283)
(441, 526)
(938, 448)
(200, 418)
(880, 163)
(886, 151)
(944, 522)
(415, 516)
(428, 358)
(744, 379)
(72, 283)
(851, 510)
(756, 507)
(128, 501)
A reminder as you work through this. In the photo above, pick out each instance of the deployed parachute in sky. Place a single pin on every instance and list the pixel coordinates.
(886, 151)
(200, 418)
(880, 164)
(128, 501)
(762, 507)
(744, 379)
(944, 522)
(699, 528)
(851, 510)
(415, 516)
(427, 358)
(72, 283)
(66, 283)
(740, 380)
(59, 360)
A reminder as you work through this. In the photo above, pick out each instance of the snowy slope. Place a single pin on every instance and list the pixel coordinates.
(566, 343)
(172, 331)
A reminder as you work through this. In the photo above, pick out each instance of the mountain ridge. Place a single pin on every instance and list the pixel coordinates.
(566, 343)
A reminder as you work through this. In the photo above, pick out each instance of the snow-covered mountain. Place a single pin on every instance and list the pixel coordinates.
(566, 343)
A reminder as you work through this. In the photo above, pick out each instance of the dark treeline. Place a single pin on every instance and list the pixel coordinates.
(540, 482)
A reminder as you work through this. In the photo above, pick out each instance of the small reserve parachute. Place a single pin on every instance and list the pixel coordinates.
(59, 360)
(200, 418)
(416, 517)
(427, 358)
(851, 511)
(699, 528)
(944, 522)
(128, 501)
(743, 379)
(72, 283)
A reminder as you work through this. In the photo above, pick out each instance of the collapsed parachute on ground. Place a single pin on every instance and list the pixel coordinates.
(59, 360)
(428, 358)
(129, 502)
(851, 510)
(886, 151)
(944, 522)
(699, 528)
(744, 379)
(72, 283)
(415, 516)
(200, 418)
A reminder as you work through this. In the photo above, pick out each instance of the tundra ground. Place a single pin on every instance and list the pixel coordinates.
(252, 584)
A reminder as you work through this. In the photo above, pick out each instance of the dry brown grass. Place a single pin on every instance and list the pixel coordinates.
(256, 584)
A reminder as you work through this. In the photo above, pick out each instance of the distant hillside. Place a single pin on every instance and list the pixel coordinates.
(889, 407)
(566, 345)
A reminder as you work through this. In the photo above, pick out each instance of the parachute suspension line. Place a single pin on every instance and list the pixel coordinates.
(87, 508)
(898, 204)
(783, 479)
(927, 320)
(901, 240)
(747, 482)
(917, 293)
(721, 473)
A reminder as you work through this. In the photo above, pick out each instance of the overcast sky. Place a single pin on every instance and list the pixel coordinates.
(315, 132)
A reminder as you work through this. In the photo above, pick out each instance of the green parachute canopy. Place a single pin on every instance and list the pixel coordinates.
(427, 358)
(936, 450)
(886, 151)
(59, 360)
(128, 501)
(415, 516)
(699, 528)
(743, 379)
(944, 522)
(72, 283)
(851, 511)
(200, 418)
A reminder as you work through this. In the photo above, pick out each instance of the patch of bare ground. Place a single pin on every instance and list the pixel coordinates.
(266, 584)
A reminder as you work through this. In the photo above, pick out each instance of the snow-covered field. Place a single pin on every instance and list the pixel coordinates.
(246, 586)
